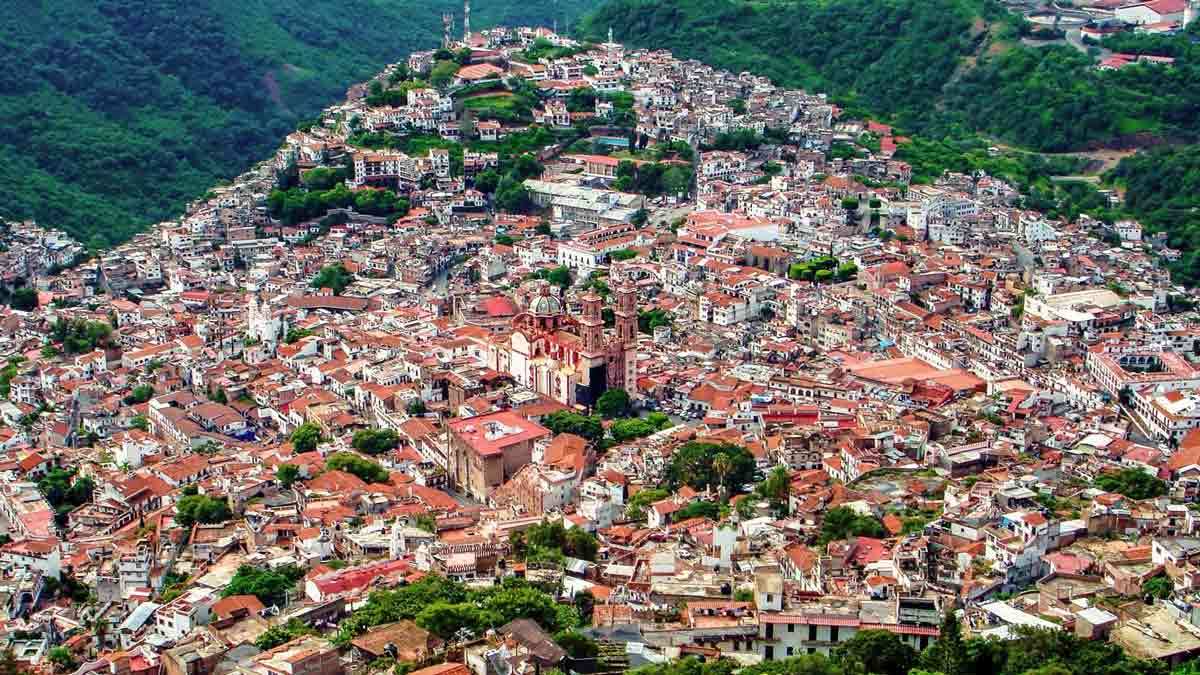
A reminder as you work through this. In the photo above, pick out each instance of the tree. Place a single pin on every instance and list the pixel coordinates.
(566, 422)
(375, 441)
(585, 603)
(64, 491)
(636, 508)
(295, 335)
(270, 586)
(776, 488)
(1159, 587)
(511, 195)
(442, 73)
(287, 474)
(306, 437)
(676, 180)
(140, 394)
(24, 299)
(948, 654)
(322, 178)
(692, 464)
(445, 619)
(841, 522)
(487, 181)
(62, 658)
(700, 509)
(577, 645)
(281, 633)
(580, 543)
(876, 651)
(1133, 483)
(553, 536)
(201, 509)
(417, 408)
(334, 277)
(651, 319)
(721, 466)
(613, 403)
(365, 469)
(624, 430)
(139, 422)
(559, 276)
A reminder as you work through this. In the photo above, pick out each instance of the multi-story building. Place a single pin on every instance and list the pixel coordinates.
(488, 450)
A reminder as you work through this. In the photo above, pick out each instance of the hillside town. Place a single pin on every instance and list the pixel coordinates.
(534, 355)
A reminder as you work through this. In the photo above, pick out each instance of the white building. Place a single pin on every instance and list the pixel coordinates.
(1156, 11)
(40, 555)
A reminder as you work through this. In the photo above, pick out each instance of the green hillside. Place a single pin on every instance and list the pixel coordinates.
(1163, 192)
(113, 113)
(938, 67)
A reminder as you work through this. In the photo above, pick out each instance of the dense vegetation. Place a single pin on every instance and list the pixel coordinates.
(552, 542)
(591, 427)
(281, 633)
(306, 437)
(1163, 193)
(64, 491)
(368, 471)
(114, 114)
(334, 277)
(270, 586)
(702, 465)
(1133, 483)
(80, 336)
(375, 441)
(944, 68)
(842, 522)
(197, 508)
(444, 607)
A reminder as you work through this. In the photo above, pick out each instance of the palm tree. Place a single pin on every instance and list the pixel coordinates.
(722, 465)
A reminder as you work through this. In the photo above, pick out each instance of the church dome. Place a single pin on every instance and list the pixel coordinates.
(546, 305)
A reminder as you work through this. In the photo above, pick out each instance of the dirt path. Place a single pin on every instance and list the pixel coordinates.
(1099, 161)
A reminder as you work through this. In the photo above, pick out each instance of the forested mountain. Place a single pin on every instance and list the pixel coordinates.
(939, 67)
(114, 113)
(1162, 190)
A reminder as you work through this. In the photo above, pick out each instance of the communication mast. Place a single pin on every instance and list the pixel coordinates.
(467, 22)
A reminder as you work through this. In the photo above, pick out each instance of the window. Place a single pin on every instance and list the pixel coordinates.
(833, 633)
(789, 651)
(812, 633)
(791, 628)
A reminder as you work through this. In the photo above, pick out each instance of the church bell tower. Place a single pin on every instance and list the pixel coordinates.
(591, 323)
(626, 314)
